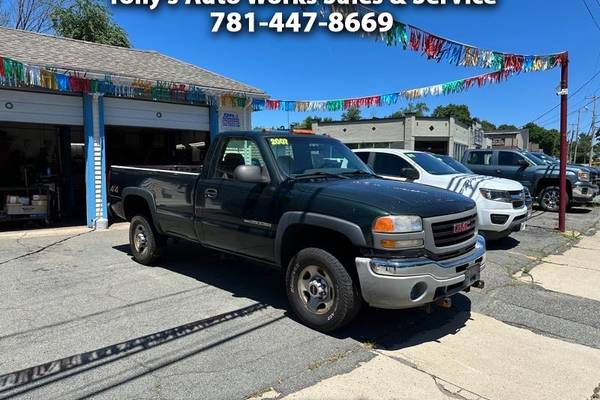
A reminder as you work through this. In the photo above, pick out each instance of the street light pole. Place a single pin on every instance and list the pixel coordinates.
(564, 94)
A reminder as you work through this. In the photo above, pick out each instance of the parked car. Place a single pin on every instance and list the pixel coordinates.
(541, 179)
(308, 204)
(594, 172)
(463, 169)
(501, 207)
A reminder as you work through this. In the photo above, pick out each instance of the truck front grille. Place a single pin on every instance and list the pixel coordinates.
(518, 198)
(453, 232)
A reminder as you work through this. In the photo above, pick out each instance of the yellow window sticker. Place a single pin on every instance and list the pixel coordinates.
(278, 141)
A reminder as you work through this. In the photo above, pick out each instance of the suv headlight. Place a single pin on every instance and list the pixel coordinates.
(496, 195)
(398, 224)
(583, 176)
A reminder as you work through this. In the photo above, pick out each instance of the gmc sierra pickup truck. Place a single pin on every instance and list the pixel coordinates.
(309, 205)
(538, 177)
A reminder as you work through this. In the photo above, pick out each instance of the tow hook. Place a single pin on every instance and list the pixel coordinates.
(479, 284)
(445, 302)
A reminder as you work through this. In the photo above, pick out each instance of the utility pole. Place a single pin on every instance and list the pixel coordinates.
(592, 129)
(564, 115)
(570, 141)
(577, 135)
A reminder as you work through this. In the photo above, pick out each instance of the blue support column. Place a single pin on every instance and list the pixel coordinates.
(95, 167)
(213, 117)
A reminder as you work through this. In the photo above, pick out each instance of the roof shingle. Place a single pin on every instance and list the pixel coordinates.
(70, 54)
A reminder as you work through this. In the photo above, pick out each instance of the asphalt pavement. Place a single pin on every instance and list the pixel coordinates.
(79, 318)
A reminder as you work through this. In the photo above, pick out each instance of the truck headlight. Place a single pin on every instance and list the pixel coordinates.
(583, 176)
(496, 195)
(398, 224)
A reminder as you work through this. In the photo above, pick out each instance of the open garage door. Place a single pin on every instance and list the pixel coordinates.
(149, 114)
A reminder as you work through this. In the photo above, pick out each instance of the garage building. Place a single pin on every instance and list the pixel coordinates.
(69, 109)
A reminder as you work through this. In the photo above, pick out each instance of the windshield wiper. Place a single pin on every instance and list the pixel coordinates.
(319, 174)
(357, 172)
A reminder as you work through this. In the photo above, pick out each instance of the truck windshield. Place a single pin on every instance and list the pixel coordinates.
(534, 159)
(315, 155)
(453, 164)
(431, 164)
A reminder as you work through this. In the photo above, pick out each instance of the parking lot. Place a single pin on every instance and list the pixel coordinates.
(80, 319)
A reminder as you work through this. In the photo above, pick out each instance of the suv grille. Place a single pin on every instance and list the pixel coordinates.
(453, 232)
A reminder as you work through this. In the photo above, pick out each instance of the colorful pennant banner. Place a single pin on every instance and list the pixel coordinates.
(440, 49)
(16, 74)
(381, 100)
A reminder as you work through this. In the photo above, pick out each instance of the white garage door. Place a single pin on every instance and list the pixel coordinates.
(125, 112)
(41, 108)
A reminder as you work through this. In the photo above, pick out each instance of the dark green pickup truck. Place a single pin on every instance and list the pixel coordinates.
(308, 205)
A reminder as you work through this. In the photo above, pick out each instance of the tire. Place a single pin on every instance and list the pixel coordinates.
(321, 291)
(549, 198)
(145, 243)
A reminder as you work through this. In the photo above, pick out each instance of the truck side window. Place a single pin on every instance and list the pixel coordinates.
(236, 152)
(389, 164)
(480, 158)
(509, 158)
(364, 156)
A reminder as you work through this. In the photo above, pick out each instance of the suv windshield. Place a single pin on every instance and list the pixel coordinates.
(453, 163)
(299, 156)
(431, 164)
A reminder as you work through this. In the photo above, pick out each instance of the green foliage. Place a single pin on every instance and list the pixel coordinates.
(351, 114)
(505, 127)
(487, 126)
(548, 139)
(418, 109)
(88, 20)
(459, 111)
(308, 121)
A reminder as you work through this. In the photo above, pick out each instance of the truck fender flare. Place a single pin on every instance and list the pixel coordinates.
(346, 228)
(146, 195)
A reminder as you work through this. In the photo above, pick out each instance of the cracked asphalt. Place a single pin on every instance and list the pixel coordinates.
(80, 319)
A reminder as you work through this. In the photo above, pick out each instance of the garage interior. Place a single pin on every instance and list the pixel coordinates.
(432, 146)
(43, 175)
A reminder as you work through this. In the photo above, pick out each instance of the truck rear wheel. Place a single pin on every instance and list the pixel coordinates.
(321, 291)
(144, 241)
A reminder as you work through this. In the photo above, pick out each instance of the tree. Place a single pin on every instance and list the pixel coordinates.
(458, 111)
(351, 114)
(308, 121)
(29, 15)
(88, 20)
(487, 126)
(547, 139)
(505, 127)
(419, 110)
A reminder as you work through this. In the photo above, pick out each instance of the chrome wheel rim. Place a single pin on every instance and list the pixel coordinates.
(550, 199)
(140, 240)
(315, 289)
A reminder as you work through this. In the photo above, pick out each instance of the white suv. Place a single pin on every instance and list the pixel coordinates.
(501, 207)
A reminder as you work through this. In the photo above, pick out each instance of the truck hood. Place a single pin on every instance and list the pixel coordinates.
(466, 183)
(393, 197)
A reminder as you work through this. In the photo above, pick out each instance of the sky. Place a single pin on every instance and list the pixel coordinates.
(323, 65)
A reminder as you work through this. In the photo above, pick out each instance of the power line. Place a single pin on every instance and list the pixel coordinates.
(570, 96)
(591, 14)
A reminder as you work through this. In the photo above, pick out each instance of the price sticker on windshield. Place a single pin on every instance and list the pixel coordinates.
(278, 141)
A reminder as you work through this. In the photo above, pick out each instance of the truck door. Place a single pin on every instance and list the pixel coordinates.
(481, 162)
(237, 216)
(512, 165)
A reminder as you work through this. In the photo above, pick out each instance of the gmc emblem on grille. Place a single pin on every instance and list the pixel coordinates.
(462, 227)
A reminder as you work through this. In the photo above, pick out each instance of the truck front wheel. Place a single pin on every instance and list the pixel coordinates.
(143, 240)
(549, 198)
(320, 290)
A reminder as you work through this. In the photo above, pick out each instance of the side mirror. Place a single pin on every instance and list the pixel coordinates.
(250, 174)
(523, 163)
(409, 173)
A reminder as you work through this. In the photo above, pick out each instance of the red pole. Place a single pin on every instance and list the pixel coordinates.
(564, 199)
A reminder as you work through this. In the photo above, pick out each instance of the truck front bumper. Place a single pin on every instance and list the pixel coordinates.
(408, 283)
(583, 192)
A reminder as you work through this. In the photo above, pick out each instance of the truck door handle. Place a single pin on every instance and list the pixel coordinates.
(210, 193)
(498, 171)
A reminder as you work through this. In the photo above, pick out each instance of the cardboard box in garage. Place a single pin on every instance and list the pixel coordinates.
(18, 209)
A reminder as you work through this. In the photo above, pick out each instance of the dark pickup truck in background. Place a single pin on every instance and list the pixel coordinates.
(308, 205)
(540, 178)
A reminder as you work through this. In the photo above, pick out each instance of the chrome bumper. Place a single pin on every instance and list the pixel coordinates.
(584, 192)
(407, 283)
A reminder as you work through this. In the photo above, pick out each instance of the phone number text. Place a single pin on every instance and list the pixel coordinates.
(302, 22)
